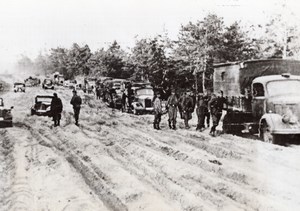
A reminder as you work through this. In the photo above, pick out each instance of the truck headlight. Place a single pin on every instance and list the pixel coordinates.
(289, 119)
(286, 118)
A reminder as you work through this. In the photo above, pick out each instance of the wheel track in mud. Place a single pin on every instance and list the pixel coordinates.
(92, 176)
(228, 187)
(19, 195)
(122, 148)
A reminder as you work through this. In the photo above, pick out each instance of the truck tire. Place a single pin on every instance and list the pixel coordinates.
(266, 135)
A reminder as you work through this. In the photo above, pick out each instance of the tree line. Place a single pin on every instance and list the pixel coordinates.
(176, 63)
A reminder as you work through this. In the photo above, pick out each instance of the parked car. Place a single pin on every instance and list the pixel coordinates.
(42, 105)
(19, 87)
(71, 84)
(29, 82)
(48, 84)
(58, 79)
(5, 115)
(89, 85)
(143, 97)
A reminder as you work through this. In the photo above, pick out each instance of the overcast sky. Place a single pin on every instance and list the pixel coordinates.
(31, 26)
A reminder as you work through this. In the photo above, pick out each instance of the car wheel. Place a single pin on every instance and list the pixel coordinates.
(266, 135)
(135, 112)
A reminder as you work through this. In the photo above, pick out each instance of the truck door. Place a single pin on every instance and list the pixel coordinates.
(258, 100)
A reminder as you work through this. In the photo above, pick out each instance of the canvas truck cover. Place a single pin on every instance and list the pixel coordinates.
(253, 69)
(234, 78)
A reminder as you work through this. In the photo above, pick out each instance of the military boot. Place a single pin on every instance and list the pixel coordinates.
(157, 126)
(170, 125)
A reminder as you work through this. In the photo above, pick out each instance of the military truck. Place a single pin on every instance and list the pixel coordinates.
(263, 97)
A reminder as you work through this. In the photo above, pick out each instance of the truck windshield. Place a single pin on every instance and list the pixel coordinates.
(144, 92)
(283, 87)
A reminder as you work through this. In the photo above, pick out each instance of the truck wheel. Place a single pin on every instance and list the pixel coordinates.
(266, 135)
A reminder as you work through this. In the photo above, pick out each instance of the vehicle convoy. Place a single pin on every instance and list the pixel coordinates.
(263, 97)
(5, 115)
(48, 84)
(19, 87)
(42, 105)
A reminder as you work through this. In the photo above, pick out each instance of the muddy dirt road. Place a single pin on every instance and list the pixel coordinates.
(116, 161)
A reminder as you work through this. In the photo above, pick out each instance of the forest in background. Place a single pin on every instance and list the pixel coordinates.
(179, 63)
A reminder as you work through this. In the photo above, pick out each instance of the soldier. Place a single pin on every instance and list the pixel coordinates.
(216, 107)
(200, 112)
(180, 101)
(56, 109)
(98, 92)
(157, 111)
(76, 102)
(206, 99)
(171, 106)
(187, 109)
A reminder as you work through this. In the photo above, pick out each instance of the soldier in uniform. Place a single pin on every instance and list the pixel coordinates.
(76, 102)
(206, 99)
(200, 112)
(187, 108)
(216, 107)
(56, 109)
(180, 101)
(171, 106)
(157, 105)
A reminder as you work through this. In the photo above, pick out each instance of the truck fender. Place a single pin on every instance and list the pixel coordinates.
(273, 120)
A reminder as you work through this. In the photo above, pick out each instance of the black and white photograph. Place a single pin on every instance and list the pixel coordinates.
(139, 105)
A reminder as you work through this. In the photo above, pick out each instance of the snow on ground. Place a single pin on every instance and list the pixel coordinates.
(116, 161)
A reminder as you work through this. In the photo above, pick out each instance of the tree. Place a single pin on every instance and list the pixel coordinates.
(198, 46)
(150, 61)
(236, 45)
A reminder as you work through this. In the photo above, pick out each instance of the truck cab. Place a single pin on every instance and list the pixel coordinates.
(276, 106)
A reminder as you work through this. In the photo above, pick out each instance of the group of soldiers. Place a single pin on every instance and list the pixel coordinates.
(207, 105)
(57, 107)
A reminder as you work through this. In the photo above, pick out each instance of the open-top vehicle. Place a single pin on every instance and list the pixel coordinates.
(5, 115)
(19, 87)
(42, 105)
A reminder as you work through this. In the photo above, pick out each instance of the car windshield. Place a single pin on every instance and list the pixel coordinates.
(144, 92)
(285, 87)
(44, 99)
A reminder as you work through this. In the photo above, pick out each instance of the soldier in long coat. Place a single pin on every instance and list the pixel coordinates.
(157, 105)
(187, 109)
(171, 106)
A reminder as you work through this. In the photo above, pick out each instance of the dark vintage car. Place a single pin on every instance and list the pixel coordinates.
(42, 105)
(5, 115)
(48, 84)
